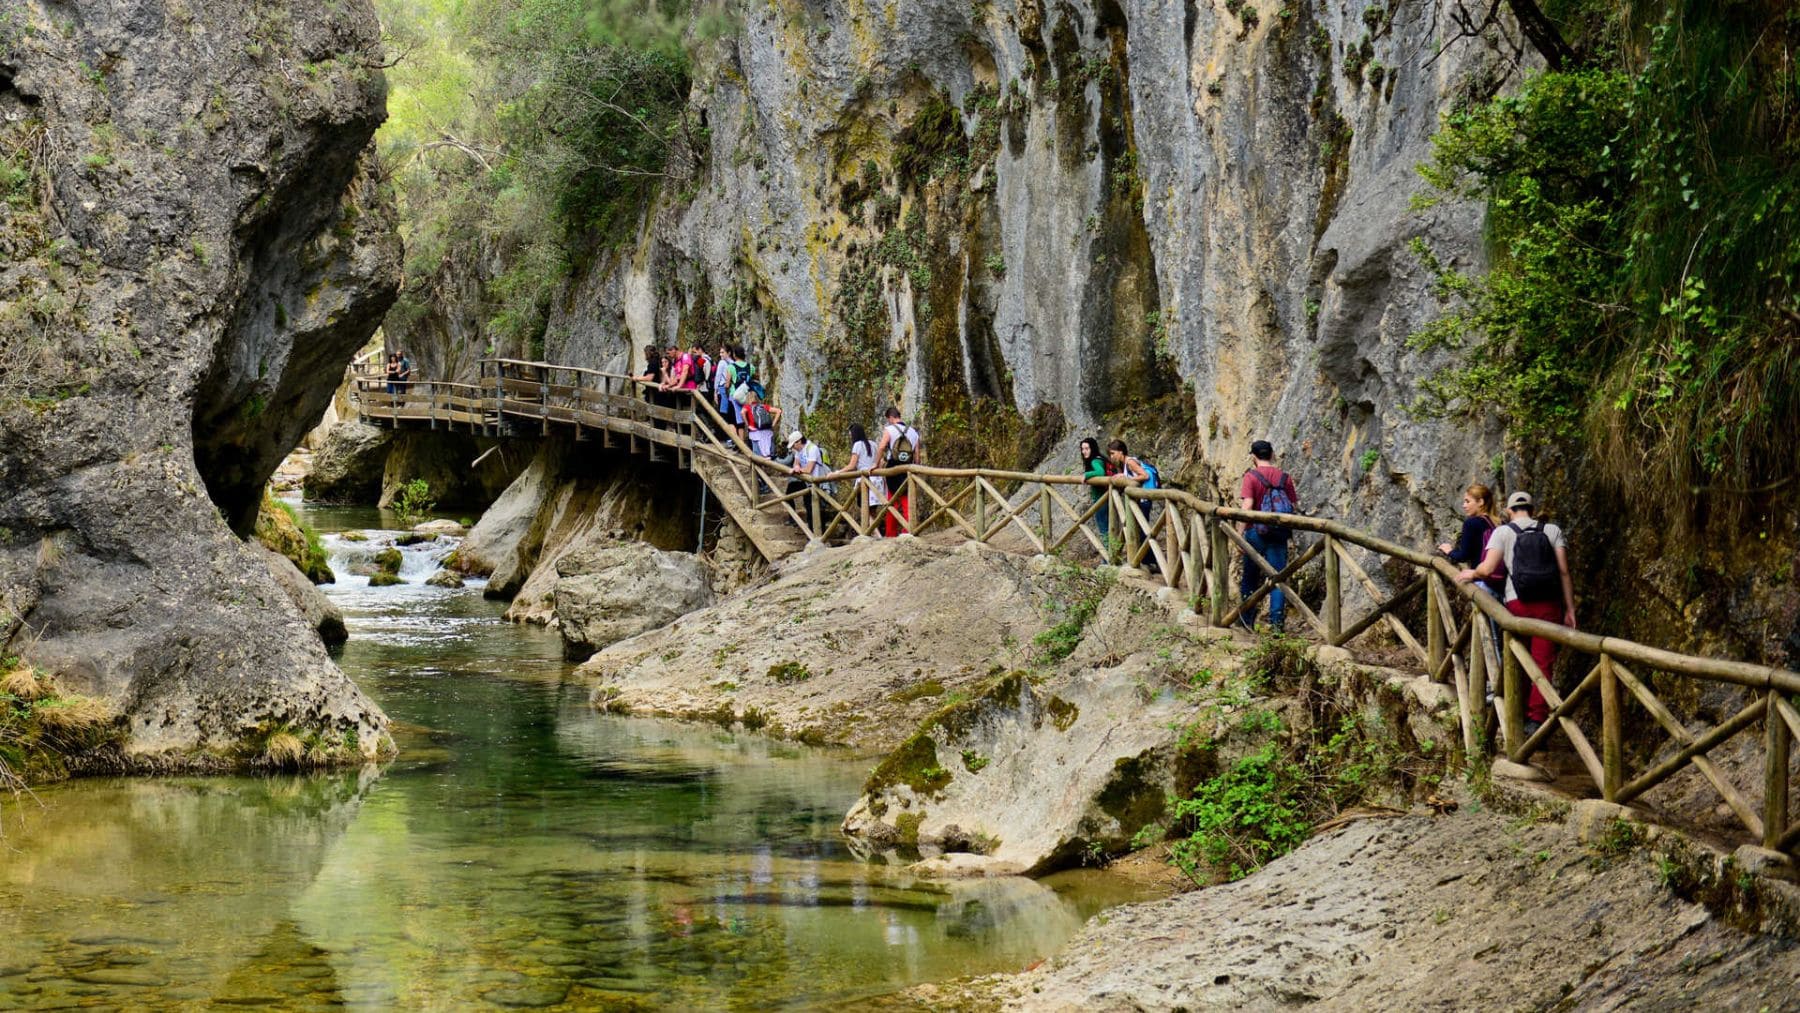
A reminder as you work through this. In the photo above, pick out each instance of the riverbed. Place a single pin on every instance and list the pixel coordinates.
(522, 851)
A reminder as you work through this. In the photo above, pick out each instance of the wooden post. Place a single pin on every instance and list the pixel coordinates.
(1475, 704)
(1221, 568)
(980, 512)
(1129, 522)
(1334, 592)
(1513, 712)
(812, 502)
(1776, 743)
(862, 495)
(1434, 625)
(1046, 522)
(1196, 568)
(1612, 731)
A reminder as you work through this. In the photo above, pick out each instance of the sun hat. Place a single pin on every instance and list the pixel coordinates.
(794, 437)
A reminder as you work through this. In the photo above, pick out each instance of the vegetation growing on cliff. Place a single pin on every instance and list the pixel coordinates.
(42, 728)
(522, 133)
(1644, 229)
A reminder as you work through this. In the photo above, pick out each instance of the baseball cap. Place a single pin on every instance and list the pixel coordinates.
(1517, 500)
(1262, 449)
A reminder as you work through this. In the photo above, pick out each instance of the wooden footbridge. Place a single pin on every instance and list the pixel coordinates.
(1187, 543)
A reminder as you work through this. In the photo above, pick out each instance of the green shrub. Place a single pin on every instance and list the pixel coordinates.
(415, 501)
(1242, 818)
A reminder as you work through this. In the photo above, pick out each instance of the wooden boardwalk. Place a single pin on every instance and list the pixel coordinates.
(1186, 543)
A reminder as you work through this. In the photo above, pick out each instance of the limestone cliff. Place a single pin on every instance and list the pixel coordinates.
(1185, 222)
(196, 242)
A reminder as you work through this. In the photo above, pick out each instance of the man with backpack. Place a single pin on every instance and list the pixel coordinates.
(1271, 490)
(899, 446)
(1537, 585)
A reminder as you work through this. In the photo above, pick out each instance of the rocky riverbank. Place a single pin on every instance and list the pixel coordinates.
(1470, 909)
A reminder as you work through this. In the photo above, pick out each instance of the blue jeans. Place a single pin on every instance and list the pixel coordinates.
(1101, 517)
(1276, 552)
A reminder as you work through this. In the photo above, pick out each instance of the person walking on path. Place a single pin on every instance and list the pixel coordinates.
(393, 373)
(1536, 562)
(1480, 521)
(1271, 490)
(862, 460)
(805, 459)
(899, 446)
(403, 375)
(1095, 465)
(760, 421)
(721, 390)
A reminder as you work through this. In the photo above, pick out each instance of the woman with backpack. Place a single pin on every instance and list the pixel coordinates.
(760, 421)
(1536, 561)
(1095, 465)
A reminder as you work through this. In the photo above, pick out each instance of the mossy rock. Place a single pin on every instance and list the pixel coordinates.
(1062, 712)
(915, 762)
(389, 560)
(789, 672)
(280, 530)
(907, 824)
(384, 578)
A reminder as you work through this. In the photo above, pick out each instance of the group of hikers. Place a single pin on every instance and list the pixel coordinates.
(1516, 558)
(398, 373)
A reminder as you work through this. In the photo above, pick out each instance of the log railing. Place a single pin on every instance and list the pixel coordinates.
(1187, 543)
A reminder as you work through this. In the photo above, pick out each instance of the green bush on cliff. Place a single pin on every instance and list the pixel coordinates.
(1644, 238)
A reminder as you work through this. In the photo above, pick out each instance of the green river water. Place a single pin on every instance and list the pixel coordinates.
(522, 851)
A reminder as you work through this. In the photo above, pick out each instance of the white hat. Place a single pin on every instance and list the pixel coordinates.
(794, 437)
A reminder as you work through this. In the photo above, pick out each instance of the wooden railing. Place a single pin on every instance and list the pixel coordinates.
(1186, 542)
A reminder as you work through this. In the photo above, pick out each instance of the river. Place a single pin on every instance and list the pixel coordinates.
(522, 851)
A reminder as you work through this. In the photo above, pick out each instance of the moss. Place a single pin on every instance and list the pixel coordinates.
(1062, 712)
(384, 579)
(915, 762)
(974, 762)
(389, 560)
(918, 691)
(1134, 795)
(280, 530)
(908, 826)
(789, 672)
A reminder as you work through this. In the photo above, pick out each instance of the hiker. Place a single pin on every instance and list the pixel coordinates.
(1271, 490)
(393, 372)
(681, 370)
(700, 373)
(1095, 465)
(721, 390)
(759, 424)
(403, 375)
(1120, 462)
(1536, 561)
(805, 458)
(744, 381)
(862, 460)
(1481, 519)
(898, 448)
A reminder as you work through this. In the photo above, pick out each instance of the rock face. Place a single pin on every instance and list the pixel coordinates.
(853, 646)
(1463, 911)
(443, 461)
(1021, 219)
(280, 531)
(608, 592)
(199, 247)
(349, 466)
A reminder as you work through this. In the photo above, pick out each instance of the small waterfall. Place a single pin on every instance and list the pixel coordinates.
(353, 553)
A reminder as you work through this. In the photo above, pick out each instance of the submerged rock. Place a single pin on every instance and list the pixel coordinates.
(617, 589)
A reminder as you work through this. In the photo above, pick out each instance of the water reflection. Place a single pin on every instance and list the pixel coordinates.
(523, 851)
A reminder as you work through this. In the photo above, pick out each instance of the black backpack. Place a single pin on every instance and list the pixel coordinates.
(1535, 575)
(760, 417)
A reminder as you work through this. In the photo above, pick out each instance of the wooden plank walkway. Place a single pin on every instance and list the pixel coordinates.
(1185, 543)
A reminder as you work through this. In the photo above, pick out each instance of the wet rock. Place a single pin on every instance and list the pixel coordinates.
(445, 578)
(316, 609)
(441, 526)
(133, 977)
(535, 995)
(609, 591)
(384, 578)
(348, 468)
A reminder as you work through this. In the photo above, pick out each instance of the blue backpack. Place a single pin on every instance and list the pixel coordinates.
(1274, 500)
(1155, 479)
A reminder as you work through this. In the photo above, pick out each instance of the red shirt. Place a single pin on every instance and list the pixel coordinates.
(1262, 478)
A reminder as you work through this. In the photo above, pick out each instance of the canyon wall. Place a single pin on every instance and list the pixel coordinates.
(197, 239)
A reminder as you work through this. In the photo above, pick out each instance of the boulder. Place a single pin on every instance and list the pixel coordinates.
(440, 527)
(617, 589)
(445, 578)
(320, 614)
(500, 542)
(348, 468)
